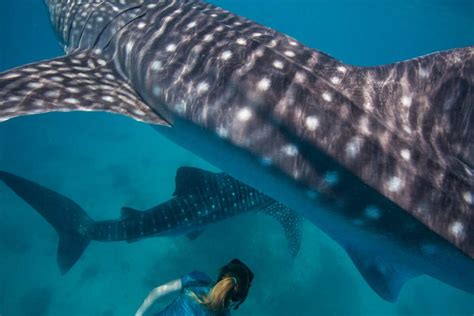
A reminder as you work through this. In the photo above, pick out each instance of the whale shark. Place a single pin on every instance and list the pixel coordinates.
(380, 158)
(200, 199)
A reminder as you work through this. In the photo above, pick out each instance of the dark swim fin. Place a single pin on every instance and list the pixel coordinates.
(63, 214)
(81, 81)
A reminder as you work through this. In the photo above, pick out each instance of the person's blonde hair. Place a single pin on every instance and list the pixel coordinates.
(219, 296)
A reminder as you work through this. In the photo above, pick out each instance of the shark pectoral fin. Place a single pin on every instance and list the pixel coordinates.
(70, 248)
(194, 234)
(128, 212)
(292, 225)
(81, 81)
(189, 178)
(384, 278)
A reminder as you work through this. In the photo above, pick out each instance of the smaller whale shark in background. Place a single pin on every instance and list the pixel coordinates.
(200, 198)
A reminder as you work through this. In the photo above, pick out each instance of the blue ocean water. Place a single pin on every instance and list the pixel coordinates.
(105, 161)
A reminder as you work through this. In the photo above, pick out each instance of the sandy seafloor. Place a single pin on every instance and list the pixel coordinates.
(105, 161)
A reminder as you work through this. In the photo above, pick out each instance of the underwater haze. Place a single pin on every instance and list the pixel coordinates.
(105, 161)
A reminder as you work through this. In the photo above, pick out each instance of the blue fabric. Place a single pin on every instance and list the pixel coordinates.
(195, 278)
(185, 305)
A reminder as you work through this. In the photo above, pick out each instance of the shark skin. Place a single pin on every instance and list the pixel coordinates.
(201, 198)
(379, 158)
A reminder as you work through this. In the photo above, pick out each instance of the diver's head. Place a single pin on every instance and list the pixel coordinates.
(231, 288)
(241, 277)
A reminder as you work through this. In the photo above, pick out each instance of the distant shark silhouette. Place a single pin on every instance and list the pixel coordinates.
(201, 198)
(380, 158)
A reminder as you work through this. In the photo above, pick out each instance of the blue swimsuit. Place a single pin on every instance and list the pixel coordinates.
(185, 304)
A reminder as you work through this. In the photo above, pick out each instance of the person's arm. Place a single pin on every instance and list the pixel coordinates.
(158, 292)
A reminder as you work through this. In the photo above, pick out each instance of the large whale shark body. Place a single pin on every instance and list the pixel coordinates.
(200, 199)
(380, 158)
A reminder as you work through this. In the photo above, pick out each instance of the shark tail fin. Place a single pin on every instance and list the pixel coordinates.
(70, 248)
(82, 81)
(68, 219)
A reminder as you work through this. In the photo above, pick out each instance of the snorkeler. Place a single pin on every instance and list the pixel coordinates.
(199, 297)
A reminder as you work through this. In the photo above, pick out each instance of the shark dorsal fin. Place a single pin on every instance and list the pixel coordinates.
(128, 212)
(188, 179)
(385, 278)
(292, 225)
